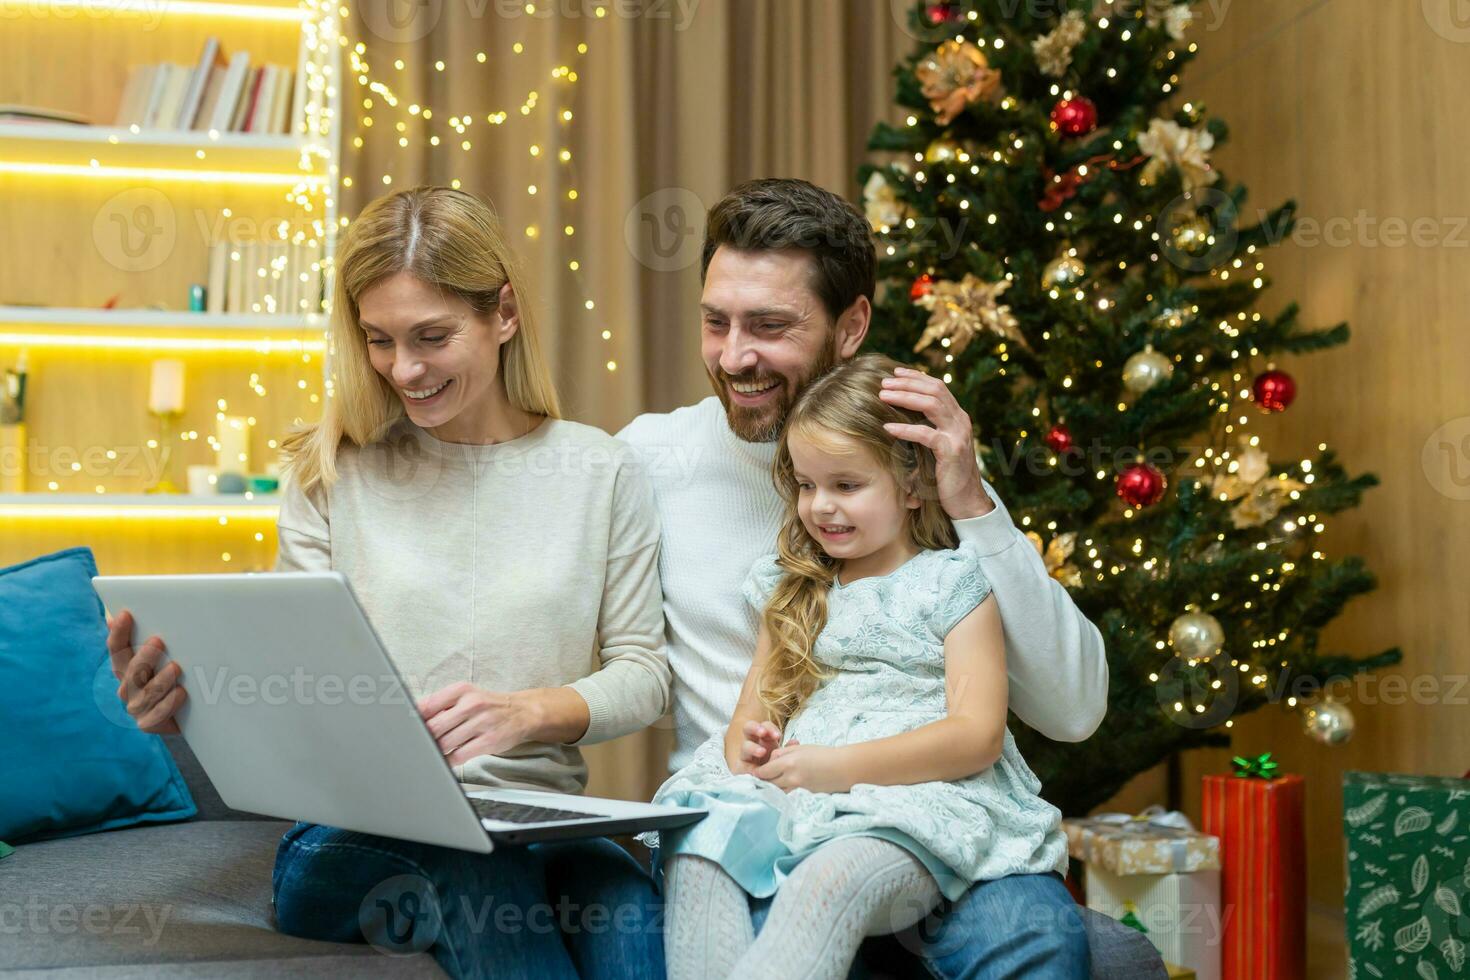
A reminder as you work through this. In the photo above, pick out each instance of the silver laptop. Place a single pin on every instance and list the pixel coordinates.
(296, 711)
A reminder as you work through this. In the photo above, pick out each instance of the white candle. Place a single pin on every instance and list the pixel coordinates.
(234, 444)
(166, 391)
(201, 480)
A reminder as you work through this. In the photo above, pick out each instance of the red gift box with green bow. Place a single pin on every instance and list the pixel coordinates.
(1259, 816)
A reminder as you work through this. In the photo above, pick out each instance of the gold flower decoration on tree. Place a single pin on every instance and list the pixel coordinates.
(882, 205)
(1056, 555)
(1248, 480)
(1175, 17)
(960, 310)
(954, 76)
(1169, 144)
(1054, 51)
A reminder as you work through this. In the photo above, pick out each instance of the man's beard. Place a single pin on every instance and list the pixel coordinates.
(764, 424)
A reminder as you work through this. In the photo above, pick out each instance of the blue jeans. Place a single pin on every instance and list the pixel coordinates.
(1020, 926)
(554, 910)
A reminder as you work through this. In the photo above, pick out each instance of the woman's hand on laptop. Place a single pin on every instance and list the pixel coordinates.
(152, 696)
(469, 721)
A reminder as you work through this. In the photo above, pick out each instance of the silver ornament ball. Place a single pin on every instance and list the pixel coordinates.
(1063, 272)
(1196, 636)
(1169, 318)
(1328, 722)
(1145, 369)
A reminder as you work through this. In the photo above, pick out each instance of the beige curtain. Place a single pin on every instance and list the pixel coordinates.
(674, 103)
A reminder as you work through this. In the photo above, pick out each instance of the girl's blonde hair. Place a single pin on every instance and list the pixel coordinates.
(843, 402)
(448, 239)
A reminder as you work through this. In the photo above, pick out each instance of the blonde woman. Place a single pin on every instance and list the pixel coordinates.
(508, 558)
(867, 770)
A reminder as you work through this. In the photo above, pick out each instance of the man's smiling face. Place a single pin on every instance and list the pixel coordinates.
(765, 334)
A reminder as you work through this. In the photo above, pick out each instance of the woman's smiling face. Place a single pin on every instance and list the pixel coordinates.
(440, 356)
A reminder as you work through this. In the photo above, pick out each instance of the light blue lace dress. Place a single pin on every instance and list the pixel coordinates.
(884, 640)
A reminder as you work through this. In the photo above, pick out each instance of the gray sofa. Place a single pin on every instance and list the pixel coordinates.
(193, 899)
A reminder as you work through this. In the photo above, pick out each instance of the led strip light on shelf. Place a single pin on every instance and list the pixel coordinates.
(108, 512)
(237, 345)
(198, 8)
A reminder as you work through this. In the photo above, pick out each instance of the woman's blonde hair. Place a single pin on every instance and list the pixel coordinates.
(450, 240)
(843, 402)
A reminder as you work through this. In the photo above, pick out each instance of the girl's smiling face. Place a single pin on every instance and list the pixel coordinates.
(847, 500)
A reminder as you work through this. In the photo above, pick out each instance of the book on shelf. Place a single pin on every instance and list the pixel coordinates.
(264, 277)
(224, 94)
(10, 113)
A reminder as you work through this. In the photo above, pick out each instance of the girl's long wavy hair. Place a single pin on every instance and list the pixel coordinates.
(843, 402)
(448, 239)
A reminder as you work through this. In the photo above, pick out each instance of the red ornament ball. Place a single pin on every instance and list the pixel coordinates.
(939, 14)
(1076, 116)
(1274, 391)
(921, 286)
(1059, 438)
(1141, 485)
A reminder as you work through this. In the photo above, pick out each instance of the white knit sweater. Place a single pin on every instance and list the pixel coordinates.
(719, 511)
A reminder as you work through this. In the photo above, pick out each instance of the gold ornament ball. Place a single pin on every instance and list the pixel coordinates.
(1169, 318)
(942, 150)
(1196, 636)
(1328, 722)
(1145, 369)
(1192, 234)
(1063, 272)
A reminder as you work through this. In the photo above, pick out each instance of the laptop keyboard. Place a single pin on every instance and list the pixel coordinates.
(525, 812)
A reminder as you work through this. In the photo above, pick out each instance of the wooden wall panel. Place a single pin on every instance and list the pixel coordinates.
(1348, 107)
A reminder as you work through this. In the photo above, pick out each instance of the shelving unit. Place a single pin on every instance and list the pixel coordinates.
(193, 155)
(70, 248)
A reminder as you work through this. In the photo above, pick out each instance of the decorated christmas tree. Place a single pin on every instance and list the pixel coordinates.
(1056, 242)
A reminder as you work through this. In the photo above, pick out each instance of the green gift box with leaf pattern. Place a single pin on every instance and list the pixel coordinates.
(1408, 875)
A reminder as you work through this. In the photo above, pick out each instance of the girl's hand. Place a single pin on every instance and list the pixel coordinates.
(817, 768)
(469, 722)
(761, 739)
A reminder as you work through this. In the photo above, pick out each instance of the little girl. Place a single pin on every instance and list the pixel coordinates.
(867, 770)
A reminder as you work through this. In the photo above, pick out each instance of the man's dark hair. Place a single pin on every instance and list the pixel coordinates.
(785, 213)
